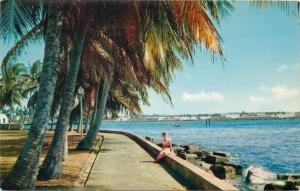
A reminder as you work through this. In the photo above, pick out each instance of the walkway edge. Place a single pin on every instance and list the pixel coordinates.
(195, 176)
(85, 171)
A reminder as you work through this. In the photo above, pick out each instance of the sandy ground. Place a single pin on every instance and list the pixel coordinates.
(11, 143)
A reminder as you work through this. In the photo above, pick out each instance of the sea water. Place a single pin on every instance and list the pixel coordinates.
(270, 145)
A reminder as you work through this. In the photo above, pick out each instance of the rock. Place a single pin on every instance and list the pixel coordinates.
(223, 172)
(148, 138)
(238, 168)
(192, 148)
(187, 156)
(178, 149)
(221, 154)
(200, 154)
(259, 176)
(205, 165)
(205, 153)
(287, 186)
(182, 155)
(191, 156)
(288, 176)
(213, 159)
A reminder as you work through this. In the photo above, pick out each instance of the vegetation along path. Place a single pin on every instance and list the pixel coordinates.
(123, 165)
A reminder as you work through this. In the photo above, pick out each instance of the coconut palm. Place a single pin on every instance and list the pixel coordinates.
(23, 173)
(11, 90)
(31, 79)
(149, 43)
(31, 83)
(51, 167)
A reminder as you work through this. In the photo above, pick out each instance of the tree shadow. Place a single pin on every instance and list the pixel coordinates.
(148, 161)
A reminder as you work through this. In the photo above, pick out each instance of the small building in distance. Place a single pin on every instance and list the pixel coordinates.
(232, 115)
(3, 119)
(286, 115)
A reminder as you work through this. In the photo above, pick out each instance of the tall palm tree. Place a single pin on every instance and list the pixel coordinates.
(11, 90)
(150, 41)
(52, 165)
(23, 173)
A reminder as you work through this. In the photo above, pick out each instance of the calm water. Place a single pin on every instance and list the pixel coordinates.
(271, 144)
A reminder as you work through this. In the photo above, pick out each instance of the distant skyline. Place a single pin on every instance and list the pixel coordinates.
(261, 71)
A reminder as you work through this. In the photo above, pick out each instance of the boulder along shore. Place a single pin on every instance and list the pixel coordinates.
(220, 165)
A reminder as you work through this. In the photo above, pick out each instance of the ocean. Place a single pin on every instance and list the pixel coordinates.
(271, 145)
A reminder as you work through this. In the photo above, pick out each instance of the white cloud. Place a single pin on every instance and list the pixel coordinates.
(263, 88)
(257, 99)
(202, 96)
(282, 92)
(282, 68)
(275, 93)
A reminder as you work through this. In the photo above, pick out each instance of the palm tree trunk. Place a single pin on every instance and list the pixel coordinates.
(87, 123)
(52, 123)
(9, 116)
(23, 174)
(24, 118)
(26, 113)
(65, 149)
(52, 165)
(87, 142)
(71, 124)
(79, 127)
(95, 106)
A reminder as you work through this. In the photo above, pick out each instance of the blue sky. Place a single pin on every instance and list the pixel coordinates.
(261, 72)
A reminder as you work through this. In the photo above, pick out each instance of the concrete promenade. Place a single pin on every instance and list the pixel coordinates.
(123, 165)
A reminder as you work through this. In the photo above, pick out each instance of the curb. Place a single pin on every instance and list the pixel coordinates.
(85, 171)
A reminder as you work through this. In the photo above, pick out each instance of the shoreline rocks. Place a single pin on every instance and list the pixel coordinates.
(213, 159)
(217, 163)
(271, 181)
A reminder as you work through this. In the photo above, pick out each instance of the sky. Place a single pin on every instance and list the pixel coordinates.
(261, 71)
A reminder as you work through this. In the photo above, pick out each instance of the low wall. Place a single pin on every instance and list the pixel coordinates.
(11, 126)
(196, 177)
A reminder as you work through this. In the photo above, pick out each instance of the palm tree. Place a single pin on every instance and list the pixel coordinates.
(52, 165)
(165, 27)
(23, 173)
(12, 88)
(125, 98)
(31, 80)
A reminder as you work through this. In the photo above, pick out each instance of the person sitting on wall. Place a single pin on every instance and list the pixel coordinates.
(167, 147)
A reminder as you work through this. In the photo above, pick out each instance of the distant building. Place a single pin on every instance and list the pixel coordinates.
(3, 119)
(204, 117)
(232, 115)
(286, 115)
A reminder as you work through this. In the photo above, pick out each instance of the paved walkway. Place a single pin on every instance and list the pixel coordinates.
(123, 165)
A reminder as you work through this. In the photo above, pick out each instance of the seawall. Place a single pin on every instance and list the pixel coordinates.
(194, 176)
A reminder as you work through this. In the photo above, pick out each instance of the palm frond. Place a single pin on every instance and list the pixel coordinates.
(35, 34)
(16, 19)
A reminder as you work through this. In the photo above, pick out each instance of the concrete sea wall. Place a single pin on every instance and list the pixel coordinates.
(196, 177)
